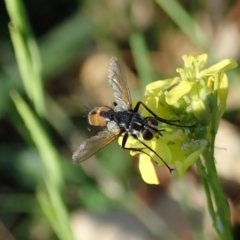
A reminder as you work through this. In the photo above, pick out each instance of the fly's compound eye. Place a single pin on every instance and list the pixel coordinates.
(152, 122)
(147, 134)
(150, 128)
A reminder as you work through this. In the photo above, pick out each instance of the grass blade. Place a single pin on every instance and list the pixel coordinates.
(27, 54)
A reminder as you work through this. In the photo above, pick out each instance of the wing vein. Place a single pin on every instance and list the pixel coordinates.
(118, 81)
(92, 145)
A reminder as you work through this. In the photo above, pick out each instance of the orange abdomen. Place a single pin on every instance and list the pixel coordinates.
(94, 117)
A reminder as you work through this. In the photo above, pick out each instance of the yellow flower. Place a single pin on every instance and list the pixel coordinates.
(195, 97)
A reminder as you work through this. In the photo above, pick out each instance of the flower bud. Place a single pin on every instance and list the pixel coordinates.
(201, 111)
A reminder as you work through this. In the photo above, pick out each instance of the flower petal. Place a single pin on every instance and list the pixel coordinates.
(161, 85)
(152, 103)
(162, 149)
(191, 159)
(224, 65)
(223, 92)
(179, 168)
(201, 111)
(176, 93)
(147, 170)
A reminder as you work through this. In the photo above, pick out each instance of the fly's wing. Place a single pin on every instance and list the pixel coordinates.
(117, 79)
(92, 145)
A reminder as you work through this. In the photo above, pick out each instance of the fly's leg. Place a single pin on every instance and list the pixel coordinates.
(169, 122)
(125, 137)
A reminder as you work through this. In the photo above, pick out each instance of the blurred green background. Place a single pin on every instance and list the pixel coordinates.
(53, 69)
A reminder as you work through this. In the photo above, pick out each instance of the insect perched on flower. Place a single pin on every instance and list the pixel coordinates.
(121, 120)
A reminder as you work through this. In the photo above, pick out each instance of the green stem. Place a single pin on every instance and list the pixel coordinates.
(218, 204)
(216, 197)
(221, 219)
(203, 175)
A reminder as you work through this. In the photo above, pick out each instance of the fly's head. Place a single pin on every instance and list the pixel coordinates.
(150, 128)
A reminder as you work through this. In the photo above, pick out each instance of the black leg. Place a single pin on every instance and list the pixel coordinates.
(133, 149)
(159, 131)
(144, 144)
(169, 122)
(137, 106)
(125, 137)
(150, 111)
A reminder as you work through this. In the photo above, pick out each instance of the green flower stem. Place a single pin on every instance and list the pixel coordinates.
(222, 222)
(220, 214)
(203, 175)
(217, 202)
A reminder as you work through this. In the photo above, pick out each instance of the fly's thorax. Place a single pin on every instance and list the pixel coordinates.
(129, 121)
(96, 116)
(137, 122)
(150, 128)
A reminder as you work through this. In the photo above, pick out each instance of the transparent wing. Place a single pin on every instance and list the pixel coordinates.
(92, 145)
(117, 79)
